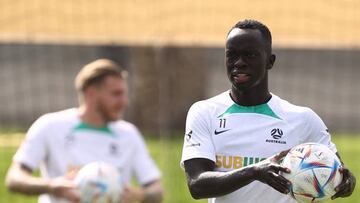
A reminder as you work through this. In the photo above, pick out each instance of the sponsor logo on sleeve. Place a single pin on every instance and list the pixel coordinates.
(188, 137)
(193, 145)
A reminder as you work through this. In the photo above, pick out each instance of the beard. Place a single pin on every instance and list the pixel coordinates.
(108, 114)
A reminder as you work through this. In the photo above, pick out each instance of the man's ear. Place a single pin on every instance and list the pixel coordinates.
(90, 91)
(272, 59)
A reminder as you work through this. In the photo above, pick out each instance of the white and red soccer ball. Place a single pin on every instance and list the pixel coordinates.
(99, 182)
(314, 172)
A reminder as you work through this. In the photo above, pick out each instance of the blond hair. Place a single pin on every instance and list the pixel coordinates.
(95, 72)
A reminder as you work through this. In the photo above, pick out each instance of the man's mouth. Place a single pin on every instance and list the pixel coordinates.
(241, 77)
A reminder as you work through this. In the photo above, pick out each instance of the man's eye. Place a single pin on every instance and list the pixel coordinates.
(251, 55)
(230, 54)
(231, 58)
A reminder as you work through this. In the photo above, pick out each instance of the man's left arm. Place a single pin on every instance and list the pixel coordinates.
(318, 132)
(147, 174)
(347, 185)
(149, 193)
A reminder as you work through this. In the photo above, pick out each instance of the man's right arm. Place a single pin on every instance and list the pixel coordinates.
(205, 182)
(20, 179)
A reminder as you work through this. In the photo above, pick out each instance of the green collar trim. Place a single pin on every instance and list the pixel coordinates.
(105, 129)
(263, 109)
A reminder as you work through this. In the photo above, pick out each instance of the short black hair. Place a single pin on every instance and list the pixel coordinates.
(256, 25)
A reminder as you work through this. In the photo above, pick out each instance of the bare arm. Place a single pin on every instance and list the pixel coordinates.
(149, 193)
(204, 182)
(20, 179)
(153, 192)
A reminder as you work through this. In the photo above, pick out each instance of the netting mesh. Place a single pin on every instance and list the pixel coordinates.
(174, 52)
(303, 23)
(167, 46)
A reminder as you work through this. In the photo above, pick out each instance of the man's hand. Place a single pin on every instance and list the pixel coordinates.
(63, 187)
(148, 193)
(347, 185)
(132, 194)
(267, 171)
(20, 179)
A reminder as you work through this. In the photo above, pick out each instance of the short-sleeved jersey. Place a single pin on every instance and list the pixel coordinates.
(235, 136)
(60, 142)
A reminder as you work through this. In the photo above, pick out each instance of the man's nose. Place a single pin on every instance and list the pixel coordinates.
(240, 63)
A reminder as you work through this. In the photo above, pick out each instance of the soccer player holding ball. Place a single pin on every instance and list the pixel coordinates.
(61, 143)
(231, 139)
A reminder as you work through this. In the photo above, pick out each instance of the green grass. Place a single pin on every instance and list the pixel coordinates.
(167, 153)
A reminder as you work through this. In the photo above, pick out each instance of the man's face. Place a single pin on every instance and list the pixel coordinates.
(111, 97)
(247, 58)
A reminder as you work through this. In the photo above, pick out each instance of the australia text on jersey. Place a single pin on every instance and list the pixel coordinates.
(276, 133)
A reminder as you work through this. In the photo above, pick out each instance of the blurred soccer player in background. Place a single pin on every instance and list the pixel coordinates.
(62, 142)
(228, 135)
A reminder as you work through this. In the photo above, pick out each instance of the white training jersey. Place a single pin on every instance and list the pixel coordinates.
(235, 136)
(60, 142)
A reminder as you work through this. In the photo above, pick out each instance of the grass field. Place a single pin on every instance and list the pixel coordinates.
(167, 154)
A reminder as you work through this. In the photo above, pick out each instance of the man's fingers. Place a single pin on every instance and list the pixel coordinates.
(283, 154)
(342, 193)
(278, 185)
(346, 187)
(280, 156)
(72, 174)
(345, 172)
(342, 185)
(280, 179)
(71, 195)
(334, 196)
(74, 198)
(278, 168)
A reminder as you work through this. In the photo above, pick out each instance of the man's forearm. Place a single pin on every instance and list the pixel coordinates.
(19, 181)
(213, 184)
(153, 193)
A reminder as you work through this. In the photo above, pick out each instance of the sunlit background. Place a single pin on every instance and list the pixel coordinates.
(174, 52)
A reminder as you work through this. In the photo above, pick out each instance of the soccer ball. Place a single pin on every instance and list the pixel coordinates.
(314, 172)
(99, 182)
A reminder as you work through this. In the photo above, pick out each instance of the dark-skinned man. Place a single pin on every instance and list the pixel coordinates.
(235, 140)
